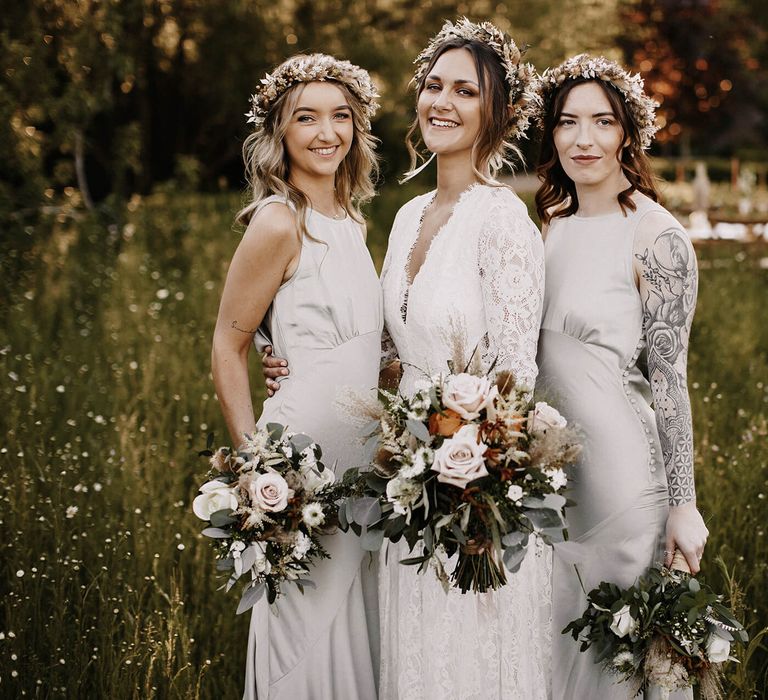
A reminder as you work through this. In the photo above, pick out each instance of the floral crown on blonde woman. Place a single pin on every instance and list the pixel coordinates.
(307, 69)
(641, 108)
(520, 76)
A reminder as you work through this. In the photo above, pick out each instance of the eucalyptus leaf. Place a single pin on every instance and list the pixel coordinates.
(222, 518)
(515, 539)
(217, 533)
(301, 442)
(248, 557)
(342, 515)
(371, 427)
(370, 447)
(544, 518)
(513, 558)
(365, 510)
(251, 596)
(417, 429)
(275, 430)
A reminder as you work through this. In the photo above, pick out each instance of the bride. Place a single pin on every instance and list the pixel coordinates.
(464, 256)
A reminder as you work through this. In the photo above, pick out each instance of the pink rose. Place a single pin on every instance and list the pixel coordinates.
(543, 417)
(459, 459)
(468, 395)
(270, 491)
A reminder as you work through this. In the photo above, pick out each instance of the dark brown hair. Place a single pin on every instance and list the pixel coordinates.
(557, 195)
(491, 147)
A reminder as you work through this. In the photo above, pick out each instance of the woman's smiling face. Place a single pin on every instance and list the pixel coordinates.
(449, 104)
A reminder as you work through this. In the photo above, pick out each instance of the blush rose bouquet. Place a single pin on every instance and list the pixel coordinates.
(466, 469)
(669, 630)
(267, 505)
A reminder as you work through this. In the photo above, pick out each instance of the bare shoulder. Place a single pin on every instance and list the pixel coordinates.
(274, 227)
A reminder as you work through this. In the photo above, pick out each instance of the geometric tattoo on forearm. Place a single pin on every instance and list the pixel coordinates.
(669, 270)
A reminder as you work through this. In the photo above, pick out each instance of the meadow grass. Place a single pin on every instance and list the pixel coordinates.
(108, 590)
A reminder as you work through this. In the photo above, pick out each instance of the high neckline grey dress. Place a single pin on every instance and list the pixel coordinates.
(326, 321)
(591, 361)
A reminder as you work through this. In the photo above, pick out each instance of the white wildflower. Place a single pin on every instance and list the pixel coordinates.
(312, 514)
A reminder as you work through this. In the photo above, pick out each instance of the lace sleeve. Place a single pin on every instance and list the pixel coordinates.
(511, 268)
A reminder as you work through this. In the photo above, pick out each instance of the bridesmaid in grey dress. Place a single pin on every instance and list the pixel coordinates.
(619, 300)
(303, 273)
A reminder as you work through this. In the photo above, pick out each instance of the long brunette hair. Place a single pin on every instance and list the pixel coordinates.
(557, 196)
(491, 148)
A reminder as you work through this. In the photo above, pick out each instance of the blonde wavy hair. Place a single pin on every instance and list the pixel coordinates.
(268, 168)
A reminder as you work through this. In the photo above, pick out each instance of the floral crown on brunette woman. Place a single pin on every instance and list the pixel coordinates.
(641, 108)
(519, 76)
(308, 69)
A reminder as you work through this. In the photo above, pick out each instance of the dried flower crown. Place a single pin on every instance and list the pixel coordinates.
(520, 76)
(641, 108)
(307, 69)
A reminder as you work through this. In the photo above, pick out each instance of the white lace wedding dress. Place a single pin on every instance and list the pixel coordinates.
(484, 274)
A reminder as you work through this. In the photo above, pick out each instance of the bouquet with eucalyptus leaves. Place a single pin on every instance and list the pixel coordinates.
(669, 629)
(466, 466)
(266, 505)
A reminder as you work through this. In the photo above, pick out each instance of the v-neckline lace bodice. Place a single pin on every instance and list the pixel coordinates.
(481, 285)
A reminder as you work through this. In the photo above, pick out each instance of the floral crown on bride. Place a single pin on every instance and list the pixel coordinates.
(520, 76)
(641, 108)
(307, 69)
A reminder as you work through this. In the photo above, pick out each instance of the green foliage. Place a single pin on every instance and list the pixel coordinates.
(104, 354)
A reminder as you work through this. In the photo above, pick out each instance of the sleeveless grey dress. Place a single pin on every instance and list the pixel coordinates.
(326, 321)
(591, 361)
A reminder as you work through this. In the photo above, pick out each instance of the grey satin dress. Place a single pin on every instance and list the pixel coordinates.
(326, 321)
(591, 361)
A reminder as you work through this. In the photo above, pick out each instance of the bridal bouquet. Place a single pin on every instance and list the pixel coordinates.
(669, 629)
(465, 466)
(266, 505)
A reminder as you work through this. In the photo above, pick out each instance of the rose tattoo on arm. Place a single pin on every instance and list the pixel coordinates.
(668, 285)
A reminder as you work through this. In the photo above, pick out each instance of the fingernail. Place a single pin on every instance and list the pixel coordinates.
(283, 364)
(284, 372)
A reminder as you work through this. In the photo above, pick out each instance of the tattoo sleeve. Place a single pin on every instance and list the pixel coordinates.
(668, 285)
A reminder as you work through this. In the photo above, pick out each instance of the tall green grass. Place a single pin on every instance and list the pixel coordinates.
(107, 588)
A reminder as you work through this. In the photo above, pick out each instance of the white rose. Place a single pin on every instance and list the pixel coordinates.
(271, 492)
(623, 622)
(544, 417)
(557, 478)
(515, 494)
(459, 459)
(315, 480)
(214, 495)
(718, 649)
(468, 395)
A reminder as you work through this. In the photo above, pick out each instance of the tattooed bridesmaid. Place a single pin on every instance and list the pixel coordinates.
(620, 295)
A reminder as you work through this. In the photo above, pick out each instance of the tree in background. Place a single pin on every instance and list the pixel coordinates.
(701, 61)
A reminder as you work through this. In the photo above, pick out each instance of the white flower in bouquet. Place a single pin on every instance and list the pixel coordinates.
(236, 551)
(515, 494)
(422, 458)
(403, 493)
(215, 495)
(302, 546)
(623, 622)
(468, 395)
(315, 480)
(718, 649)
(557, 478)
(270, 492)
(255, 444)
(312, 514)
(543, 417)
(261, 565)
(308, 459)
(623, 661)
(255, 518)
(286, 449)
(459, 459)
